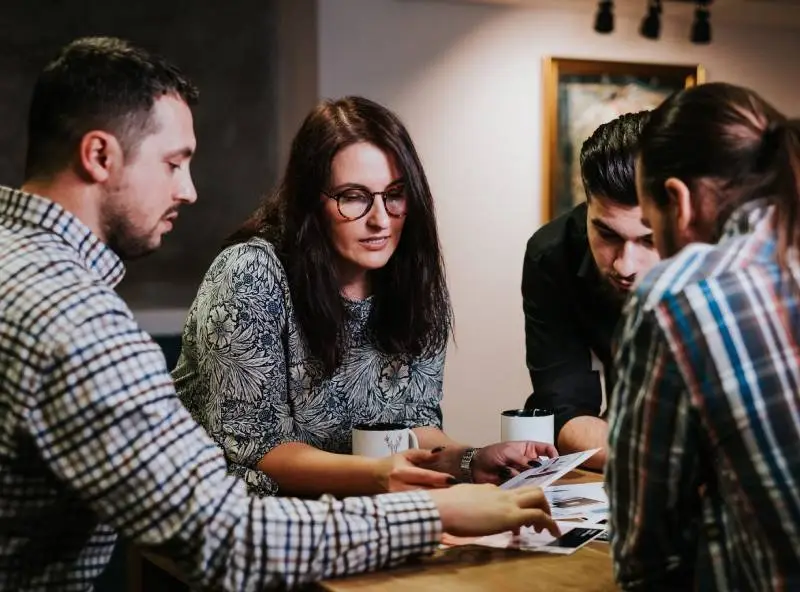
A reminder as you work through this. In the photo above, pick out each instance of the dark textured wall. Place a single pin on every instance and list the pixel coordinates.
(228, 48)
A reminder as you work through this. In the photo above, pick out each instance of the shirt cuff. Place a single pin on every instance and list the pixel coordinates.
(414, 524)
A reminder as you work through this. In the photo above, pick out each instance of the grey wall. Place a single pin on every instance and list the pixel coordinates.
(229, 49)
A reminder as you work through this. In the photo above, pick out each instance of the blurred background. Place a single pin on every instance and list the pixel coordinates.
(465, 76)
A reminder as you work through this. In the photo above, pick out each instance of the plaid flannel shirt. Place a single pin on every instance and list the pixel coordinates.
(94, 442)
(704, 461)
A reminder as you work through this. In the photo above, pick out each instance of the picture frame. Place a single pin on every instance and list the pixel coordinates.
(582, 94)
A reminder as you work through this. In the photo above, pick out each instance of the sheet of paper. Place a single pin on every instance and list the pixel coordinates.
(603, 538)
(549, 470)
(586, 502)
(595, 517)
(573, 537)
(571, 541)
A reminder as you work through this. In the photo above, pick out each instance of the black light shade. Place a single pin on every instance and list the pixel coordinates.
(701, 27)
(604, 21)
(651, 24)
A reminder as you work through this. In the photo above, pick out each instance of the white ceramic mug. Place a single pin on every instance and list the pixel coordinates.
(527, 424)
(382, 439)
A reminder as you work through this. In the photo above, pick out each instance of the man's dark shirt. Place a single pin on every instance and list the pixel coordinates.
(569, 314)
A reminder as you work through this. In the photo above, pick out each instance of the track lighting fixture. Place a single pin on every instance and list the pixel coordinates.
(604, 21)
(651, 24)
(701, 27)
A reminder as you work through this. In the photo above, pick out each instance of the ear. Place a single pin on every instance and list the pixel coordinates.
(680, 201)
(100, 156)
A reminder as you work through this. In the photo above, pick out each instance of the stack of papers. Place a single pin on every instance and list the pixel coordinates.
(573, 537)
(581, 511)
(586, 503)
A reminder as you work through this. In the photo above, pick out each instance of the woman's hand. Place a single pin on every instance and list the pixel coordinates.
(498, 462)
(400, 472)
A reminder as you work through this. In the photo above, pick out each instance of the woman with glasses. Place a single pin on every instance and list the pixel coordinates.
(329, 309)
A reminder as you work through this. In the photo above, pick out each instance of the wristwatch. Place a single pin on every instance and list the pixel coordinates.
(466, 464)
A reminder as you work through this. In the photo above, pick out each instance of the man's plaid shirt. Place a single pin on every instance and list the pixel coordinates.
(94, 442)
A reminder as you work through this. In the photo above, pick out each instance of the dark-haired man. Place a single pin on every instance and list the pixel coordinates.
(93, 440)
(577, 272)
(703, 473)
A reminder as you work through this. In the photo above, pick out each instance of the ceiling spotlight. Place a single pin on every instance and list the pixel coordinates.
(651, 24)
(701, 27)
(604, 21)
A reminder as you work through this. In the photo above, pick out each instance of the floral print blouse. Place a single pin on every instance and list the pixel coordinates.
(245, 375)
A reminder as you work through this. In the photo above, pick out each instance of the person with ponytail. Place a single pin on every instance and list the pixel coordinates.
(703, 472)
(329, 309)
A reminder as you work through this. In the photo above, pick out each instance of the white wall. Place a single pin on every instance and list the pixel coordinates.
(295, 69)
(465, 79)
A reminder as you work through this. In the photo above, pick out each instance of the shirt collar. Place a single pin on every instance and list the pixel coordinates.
(41, 212)
(747, 218)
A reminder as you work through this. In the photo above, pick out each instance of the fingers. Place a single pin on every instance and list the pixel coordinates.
(516, 460)
(535, 509)
(546, 450)
(417, 455)
(422, 478)
(527, 456)
(540, 521)
(503, 474)
(469, 510)
(531, 497)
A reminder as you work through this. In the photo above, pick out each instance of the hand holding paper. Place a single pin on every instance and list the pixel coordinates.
(491, 460)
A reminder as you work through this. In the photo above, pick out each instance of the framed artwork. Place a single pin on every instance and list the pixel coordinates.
(579, 96)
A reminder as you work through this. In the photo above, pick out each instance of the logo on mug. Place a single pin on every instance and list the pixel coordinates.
(393, 441)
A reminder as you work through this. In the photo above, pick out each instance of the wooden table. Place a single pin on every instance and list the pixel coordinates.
(457, 569)
(473, 568)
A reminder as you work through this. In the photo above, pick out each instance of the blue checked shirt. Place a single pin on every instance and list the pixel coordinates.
(704, 459)
(94, 442)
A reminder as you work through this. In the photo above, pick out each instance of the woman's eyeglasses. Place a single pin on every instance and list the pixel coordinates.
(354, 203)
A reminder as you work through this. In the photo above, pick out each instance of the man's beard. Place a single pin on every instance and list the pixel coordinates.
(670, 247)
(127, 241)
(611, 293)
(122, 236)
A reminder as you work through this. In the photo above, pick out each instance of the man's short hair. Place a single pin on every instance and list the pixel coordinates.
(608, 158)
(96, 83)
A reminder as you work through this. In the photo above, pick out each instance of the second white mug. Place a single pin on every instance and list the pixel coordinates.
(527, 424)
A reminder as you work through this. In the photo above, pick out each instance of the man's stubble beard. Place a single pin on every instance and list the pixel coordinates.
(611, 293)
(122, 236)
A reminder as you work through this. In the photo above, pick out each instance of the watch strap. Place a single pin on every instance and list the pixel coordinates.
(466, 464)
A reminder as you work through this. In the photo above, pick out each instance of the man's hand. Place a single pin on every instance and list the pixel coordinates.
(400, 472)
(498, 462)
(478, 510)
